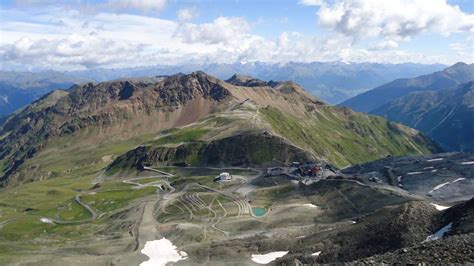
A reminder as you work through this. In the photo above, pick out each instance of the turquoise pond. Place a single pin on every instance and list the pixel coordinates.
(259, 211)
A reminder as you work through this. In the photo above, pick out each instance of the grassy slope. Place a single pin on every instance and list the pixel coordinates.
(345, 139)
(65, 167)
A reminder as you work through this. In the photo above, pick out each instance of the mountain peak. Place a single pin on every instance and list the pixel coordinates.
(457, 67)
(459, 64)
(246, 81)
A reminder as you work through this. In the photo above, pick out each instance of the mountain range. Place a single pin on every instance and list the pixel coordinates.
(18, 89)
(445, 115)
(333, 82)
(447, 78)
(102, 173)
(204, 111)
(439, 104)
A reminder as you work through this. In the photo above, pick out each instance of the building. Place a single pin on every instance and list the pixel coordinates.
(275, 171)
(223, 177)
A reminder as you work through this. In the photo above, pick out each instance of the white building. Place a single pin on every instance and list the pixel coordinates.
(223, 177)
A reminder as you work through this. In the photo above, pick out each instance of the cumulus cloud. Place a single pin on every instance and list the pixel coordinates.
(385, 45)
(221, 30)
(187, 14)
(394, 19)
(69, 39)
(146, 5)
(75, 51)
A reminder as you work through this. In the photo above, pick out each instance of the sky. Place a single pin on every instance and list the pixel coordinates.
(83, 34)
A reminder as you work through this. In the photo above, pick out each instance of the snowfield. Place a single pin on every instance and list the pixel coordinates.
(440, 207)
(269, 257)
(161, 252)
(467, 163)
(439, 234)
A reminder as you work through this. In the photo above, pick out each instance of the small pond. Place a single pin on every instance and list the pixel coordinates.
(259, 211)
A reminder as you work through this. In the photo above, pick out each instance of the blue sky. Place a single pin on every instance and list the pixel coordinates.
(81, 34)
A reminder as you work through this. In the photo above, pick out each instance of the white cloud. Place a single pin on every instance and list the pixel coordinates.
(311, 2)
(187, 14)
(221, 30)
(76, 51)
(68, 38)
(385, 45)
(394, 19)
(465, 49)
(145, 5)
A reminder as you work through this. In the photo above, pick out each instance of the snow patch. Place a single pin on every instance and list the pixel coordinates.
(435, 160)
(269, 257)
(465, 163)
(438, 187)
(439, 234)
(429, 167)
(161, 252)
(440, 207)
(46, 220)
(316, 253)
(459, 179)
(434, 171)
(414, 173)
(444, 184)
(310, 205)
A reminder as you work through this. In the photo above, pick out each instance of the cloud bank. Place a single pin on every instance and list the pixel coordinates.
(127, 34)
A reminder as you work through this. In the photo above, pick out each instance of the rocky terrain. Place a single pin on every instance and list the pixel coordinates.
(124, 173)
(445, 177)
(138, 108)
(332, 82)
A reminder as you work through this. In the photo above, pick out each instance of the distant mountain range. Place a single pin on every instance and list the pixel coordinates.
(440, 104)
(332, 82)
(449, 77)
(446, 115)
(18, 89)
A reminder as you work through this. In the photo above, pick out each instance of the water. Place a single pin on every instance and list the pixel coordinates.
(259, 211)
